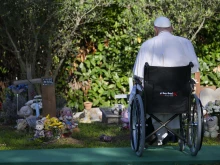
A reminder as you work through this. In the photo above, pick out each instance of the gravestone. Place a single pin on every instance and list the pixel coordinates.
(48, 96)
(109, 117)
(208, 94)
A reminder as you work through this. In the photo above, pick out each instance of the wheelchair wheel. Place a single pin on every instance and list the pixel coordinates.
(202, 119)
(182, 131)
(195, 126)
(137, 125)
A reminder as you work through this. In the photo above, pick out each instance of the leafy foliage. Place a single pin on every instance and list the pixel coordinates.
(102, 63)
(108, 46)
(209, 53)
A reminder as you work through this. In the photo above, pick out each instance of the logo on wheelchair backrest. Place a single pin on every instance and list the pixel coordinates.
(168, 94)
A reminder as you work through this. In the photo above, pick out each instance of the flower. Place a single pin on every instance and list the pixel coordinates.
(53, 126)
(212, 107)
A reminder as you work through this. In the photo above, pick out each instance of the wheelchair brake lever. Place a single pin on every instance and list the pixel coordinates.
(192, 84)
(137, 81)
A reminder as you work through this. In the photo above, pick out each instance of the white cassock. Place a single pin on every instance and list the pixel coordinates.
(170, 51)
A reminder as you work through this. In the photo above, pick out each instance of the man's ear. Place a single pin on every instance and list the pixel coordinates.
(155, 31)
(171, 29)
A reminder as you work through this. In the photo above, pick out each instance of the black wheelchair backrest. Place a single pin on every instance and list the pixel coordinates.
(167, 89)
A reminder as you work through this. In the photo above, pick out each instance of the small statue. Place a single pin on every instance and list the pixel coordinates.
(211, 127)
(87, 118)
(124, 119)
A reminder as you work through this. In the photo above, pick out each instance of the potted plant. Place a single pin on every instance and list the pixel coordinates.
(87, 105)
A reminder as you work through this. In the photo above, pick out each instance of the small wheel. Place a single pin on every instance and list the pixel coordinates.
(137, 125)
(195, 126)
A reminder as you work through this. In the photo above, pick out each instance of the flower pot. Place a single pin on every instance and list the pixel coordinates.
(87, 105)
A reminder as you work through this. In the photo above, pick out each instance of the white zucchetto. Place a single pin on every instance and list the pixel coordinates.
(163, 22)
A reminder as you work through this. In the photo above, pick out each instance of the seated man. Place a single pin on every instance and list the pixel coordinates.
(165, 49)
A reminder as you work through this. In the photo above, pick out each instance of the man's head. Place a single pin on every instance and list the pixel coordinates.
(162, 24)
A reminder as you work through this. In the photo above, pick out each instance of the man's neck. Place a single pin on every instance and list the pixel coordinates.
(164, 31)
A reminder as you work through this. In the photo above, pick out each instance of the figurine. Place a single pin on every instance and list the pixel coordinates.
(39, 129)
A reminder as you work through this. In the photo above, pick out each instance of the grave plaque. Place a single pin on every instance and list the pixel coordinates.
(47, 81)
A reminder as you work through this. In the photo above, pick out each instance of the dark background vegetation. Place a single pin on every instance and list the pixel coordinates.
(89, 47)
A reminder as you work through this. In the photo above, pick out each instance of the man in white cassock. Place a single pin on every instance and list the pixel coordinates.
(165, 49)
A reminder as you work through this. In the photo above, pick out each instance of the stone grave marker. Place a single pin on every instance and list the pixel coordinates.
(208, 94)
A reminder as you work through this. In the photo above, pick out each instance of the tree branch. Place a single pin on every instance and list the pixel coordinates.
(57, 69)
(90, 10)
(49, 59)
(45, 22)
(200, 27)
(16, 52)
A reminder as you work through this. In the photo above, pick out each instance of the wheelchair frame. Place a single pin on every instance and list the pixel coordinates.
(191, 123)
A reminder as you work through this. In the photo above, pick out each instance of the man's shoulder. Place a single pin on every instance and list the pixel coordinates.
(183, 39)
(149, 41)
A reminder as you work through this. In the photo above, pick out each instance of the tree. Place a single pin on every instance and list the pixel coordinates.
(42, 33)
(74, 15)
(24, 27)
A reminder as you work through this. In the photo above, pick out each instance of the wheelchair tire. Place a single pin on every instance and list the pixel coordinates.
(137, 125)
(182, 132)
(195, 126)
(203, 129)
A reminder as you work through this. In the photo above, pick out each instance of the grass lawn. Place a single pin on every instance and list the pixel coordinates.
(87, 137)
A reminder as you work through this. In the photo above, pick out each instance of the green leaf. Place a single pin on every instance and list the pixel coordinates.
(118, 84)
(111, 86)
(101, 90)
(87, 62)
(100, 47)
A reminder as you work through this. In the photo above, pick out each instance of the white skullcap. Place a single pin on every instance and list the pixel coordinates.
(162, 22)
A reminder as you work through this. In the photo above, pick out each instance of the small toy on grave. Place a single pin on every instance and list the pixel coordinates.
(87, 117)
(66, 116)
(211, 121)
(39, 133)
(117, 109)
(211, 107)
(27, 111)
(105, 138)
(125, 120)
(21, 124)
(211, 126)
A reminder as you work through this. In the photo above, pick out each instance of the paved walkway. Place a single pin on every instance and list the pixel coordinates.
(110, 156)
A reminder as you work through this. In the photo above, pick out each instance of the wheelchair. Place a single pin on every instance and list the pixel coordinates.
(167, 90)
